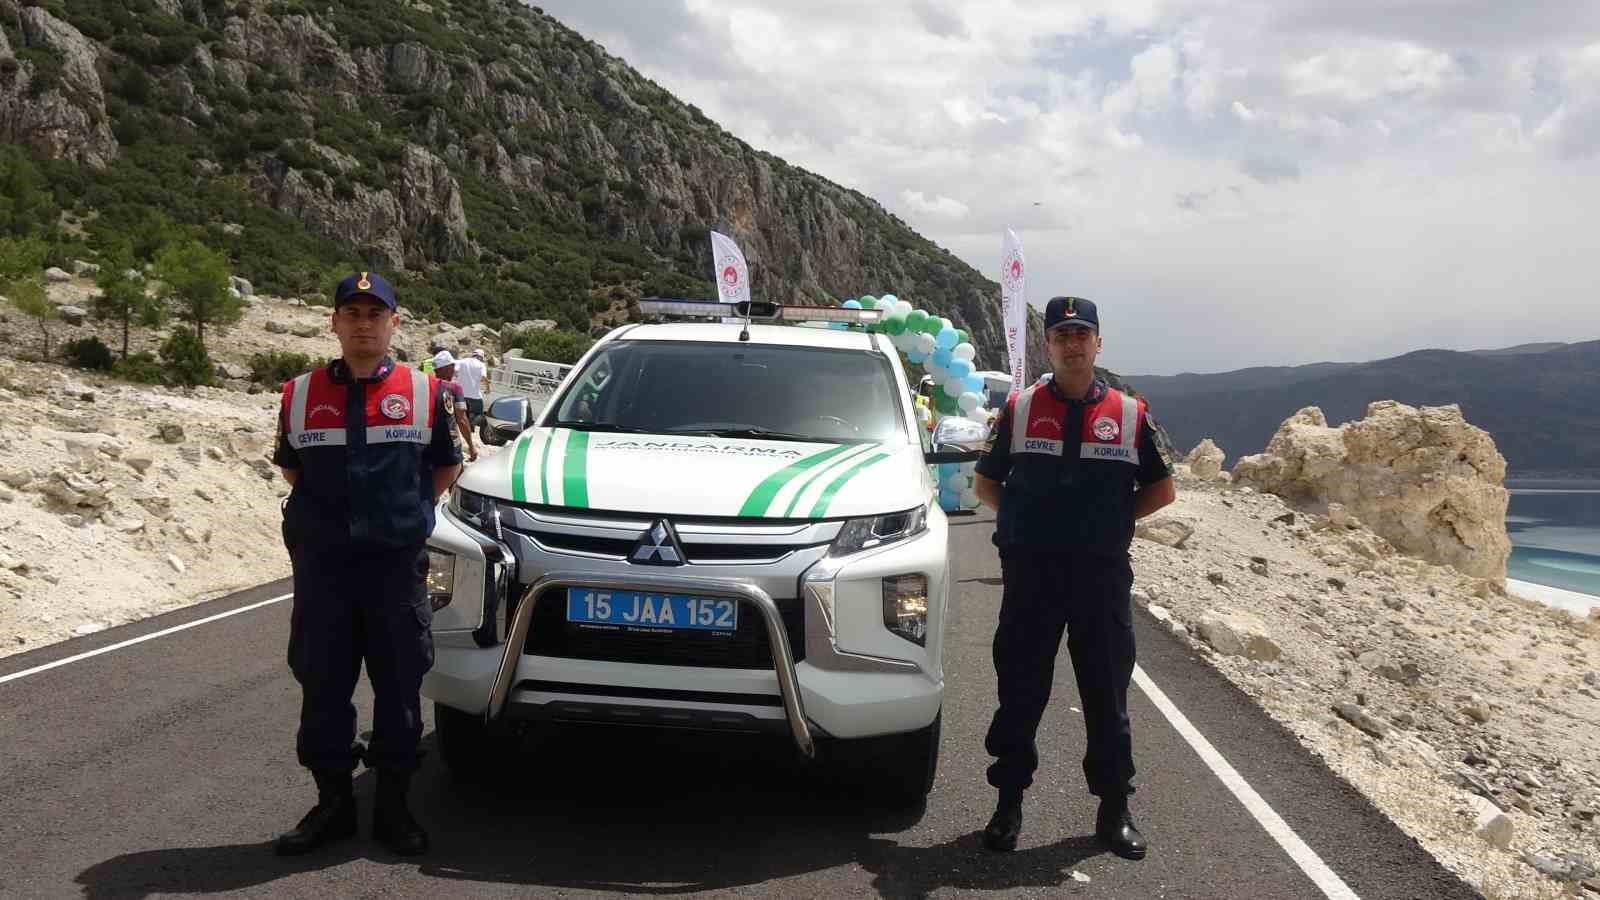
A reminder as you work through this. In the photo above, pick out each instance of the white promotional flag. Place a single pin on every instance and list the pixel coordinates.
(733, 274)
(1014, 308)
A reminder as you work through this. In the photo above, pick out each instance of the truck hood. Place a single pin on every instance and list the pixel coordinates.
(703, 476)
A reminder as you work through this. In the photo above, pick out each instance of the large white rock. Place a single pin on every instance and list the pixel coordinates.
(1425, 479)
(1205, 460)
(1164, 530)
(1490, 824)
(1238, 634)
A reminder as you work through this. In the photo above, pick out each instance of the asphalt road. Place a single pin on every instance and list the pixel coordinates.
(166, 767)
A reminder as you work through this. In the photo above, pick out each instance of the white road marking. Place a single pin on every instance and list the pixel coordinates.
(1307, 859)
(138, 640)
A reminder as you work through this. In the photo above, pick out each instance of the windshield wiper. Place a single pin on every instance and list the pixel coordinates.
(610, 427)
(762, 434)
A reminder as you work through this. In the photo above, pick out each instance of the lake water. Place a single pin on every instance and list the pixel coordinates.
(1555, 534)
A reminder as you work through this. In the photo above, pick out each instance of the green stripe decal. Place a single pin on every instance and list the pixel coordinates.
(762, 496)
(519, 469)
(821, 509)
(575, 471)
(544, 468)
(795, 500)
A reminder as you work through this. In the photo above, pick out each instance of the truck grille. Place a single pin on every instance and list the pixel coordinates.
(549, 634)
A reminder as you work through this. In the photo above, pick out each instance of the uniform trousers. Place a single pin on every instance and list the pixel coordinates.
(1088, 597)
(350, 607)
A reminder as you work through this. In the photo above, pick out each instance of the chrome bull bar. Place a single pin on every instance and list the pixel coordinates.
(746, 594)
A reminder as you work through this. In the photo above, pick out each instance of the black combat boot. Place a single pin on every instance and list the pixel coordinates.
(333, 817)
(1006, 823)
(1113, 825)
(392, 824)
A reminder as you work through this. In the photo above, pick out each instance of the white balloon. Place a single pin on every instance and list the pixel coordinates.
(903, 307)
(964, 351)
(969, 401)
(954, 386)
(969, 500)
(925, 342)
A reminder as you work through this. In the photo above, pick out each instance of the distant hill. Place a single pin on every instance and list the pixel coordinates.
(1538, 400)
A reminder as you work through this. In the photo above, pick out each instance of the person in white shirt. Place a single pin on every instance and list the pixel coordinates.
(473, 375)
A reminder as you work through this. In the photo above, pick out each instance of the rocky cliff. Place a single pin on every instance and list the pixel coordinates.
(504, 165)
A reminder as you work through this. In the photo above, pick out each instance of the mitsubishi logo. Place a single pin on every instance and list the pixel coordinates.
(658, 546)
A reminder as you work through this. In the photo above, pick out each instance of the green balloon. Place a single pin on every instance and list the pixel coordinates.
(916, 320)
(894, 325)
(962, 337)
(869, 302)
(933, 325)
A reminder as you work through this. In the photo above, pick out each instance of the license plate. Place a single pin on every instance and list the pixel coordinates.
(659, 613)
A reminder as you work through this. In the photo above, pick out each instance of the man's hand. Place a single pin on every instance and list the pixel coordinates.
(1154, 496)
(290, 475)
(444, 478)
(988, 490)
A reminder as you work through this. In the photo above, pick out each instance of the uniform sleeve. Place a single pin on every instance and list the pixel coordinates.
(995, 464)
(1155, 452)
(445, 447)
(283, 455)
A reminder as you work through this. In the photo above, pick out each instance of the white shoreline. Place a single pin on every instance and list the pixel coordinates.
(1560, 598)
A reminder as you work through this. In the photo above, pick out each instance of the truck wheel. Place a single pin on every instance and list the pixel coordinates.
(472, 748)
(898, 769)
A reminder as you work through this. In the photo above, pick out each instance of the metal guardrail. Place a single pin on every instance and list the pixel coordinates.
(539, 380)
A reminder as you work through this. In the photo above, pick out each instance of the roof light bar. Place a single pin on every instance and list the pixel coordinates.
(832, 314)
(758, 309)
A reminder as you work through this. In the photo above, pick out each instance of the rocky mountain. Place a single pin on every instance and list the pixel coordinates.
(500, 165)
(1536, 400)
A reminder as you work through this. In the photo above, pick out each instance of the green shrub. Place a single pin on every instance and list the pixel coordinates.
(140, 367)
(89, 353)
(274, 368)
(549, 346)
(185, 359)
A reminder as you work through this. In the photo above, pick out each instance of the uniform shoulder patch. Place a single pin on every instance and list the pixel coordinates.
(1162, 439)
(448, 401)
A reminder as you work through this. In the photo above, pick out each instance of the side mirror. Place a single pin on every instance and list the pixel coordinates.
(507, 432)
(956, 440)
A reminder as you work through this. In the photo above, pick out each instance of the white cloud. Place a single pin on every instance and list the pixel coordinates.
(937, 207)
(1266, 160)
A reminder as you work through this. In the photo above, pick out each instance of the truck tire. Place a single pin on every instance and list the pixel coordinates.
(472, 748)
(897, 769)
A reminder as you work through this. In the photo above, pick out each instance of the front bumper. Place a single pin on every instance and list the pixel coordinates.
(841, 674)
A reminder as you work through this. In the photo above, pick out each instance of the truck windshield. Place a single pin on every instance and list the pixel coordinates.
(735, 390)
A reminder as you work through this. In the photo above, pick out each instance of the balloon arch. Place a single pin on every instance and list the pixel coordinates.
(946, 354)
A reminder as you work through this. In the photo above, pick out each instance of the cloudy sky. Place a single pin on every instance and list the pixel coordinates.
(1235, 182)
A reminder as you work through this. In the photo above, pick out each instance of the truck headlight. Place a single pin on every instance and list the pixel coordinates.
(441, 578)
(905, 607)
(875, 531)
(476, 510)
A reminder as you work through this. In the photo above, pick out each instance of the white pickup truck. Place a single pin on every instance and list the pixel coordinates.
(721, 526)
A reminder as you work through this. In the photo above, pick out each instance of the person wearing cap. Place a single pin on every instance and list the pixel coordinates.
(367, 447)
(444, 366)
(1070, 464)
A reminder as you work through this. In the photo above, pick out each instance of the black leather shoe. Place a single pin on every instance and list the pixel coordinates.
(1000, 835)
(392, 824)
(333, 818)
(1113, 825)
